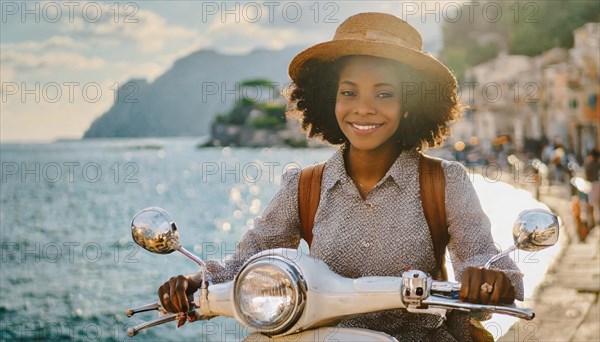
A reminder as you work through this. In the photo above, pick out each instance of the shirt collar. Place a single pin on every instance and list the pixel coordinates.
(335, 169)
(405, 165)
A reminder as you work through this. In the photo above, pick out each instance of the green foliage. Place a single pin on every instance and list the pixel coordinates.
(553, 26)
(273, 113)
(275, 110)
(524, 27)
(221, 118)
(246, 102)
(295, 143)
(265, 122)
(258, 82)
(238, 115)
(459, 58)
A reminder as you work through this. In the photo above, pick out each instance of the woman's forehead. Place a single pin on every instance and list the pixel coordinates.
(368, 68)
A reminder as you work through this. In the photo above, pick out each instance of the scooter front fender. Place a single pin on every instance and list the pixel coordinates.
(326, 334)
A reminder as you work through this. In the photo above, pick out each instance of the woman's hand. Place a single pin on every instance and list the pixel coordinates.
(484, 286)
(176, 294)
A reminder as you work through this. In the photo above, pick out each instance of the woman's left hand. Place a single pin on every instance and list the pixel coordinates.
(484, 286)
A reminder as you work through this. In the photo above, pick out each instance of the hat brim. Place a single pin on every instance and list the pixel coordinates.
(332, 50)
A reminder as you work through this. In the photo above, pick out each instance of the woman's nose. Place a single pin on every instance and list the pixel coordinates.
(364, 106)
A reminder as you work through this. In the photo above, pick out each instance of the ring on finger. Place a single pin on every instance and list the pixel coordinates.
(487, 288)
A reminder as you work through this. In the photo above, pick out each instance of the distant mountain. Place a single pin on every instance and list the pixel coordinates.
(184, 100)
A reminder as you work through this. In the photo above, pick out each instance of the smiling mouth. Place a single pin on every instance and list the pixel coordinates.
(365, 127)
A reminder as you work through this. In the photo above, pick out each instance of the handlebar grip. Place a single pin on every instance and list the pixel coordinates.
(445, 286)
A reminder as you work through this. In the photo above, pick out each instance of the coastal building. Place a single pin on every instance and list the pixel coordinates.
(585, 56)
(497, 94)
(533, 100)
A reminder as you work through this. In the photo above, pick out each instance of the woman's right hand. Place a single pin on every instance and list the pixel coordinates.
(176, 294)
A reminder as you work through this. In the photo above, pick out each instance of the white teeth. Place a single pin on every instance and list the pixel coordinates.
(365, 128)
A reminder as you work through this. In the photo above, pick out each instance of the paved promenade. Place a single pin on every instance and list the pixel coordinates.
(566, 305)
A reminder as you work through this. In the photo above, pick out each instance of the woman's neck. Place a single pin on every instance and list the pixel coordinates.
(367, 168)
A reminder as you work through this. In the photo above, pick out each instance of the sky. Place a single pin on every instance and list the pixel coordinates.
(61, 62)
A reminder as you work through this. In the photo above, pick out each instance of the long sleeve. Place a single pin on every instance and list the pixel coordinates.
(471, 242)
(278, 227)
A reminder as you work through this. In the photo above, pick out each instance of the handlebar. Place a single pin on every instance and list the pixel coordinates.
(444, 294)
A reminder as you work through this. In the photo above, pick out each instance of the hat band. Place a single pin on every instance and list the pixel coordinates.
(379, 36)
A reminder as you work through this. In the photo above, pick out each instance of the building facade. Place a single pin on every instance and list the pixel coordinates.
(531, 101)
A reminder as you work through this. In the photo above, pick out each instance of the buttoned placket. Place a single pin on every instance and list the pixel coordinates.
(352, 189)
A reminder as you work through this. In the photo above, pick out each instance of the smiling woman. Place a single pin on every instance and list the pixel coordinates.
(428, 105)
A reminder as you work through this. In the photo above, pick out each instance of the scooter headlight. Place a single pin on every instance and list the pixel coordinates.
(269, 295)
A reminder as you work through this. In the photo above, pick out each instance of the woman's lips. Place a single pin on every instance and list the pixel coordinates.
(364, 128)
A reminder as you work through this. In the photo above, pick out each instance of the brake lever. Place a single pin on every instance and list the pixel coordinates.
(511, 310)
(158, 321)
(145, 308)
(190, 316)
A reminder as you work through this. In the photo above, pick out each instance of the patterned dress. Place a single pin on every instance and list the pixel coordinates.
(380, 235)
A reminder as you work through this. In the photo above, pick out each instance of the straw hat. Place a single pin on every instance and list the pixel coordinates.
(376, 34)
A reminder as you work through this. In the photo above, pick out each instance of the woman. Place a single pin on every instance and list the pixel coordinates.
(372, 91)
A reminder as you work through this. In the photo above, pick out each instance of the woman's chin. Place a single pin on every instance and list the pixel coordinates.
(372, 145)
(365, 146)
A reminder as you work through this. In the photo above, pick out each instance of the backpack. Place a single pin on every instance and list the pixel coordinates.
(432, 183)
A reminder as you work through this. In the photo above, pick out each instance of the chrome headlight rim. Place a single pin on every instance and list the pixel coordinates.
(292, 271)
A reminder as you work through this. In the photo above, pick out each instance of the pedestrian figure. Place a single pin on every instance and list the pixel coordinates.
(558, 162)
(592, 175)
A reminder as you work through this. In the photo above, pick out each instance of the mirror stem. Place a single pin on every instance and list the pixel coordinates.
(499, 256)
(199, 262)
(203, 305)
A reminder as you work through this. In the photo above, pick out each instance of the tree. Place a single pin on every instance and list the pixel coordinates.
(273, 113)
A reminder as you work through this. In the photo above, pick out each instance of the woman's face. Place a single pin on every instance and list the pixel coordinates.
(368, 107)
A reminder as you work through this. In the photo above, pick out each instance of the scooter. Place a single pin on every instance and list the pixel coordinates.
(283, 294)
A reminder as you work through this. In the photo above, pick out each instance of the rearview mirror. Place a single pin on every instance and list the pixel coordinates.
(535, 229)
(154, 230)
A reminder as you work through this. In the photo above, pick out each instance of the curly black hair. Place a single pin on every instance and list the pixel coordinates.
(431, 106)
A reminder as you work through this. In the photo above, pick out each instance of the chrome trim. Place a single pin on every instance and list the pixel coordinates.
(145, 325)
(293, 272)
(416, 287)
(144, 308)
(499, 256)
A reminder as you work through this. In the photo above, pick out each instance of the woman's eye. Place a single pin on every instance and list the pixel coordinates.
(346, 93)
(385, 95)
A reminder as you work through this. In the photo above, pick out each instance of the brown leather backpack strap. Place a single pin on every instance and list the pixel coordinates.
(309, 195)
(433, 198)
